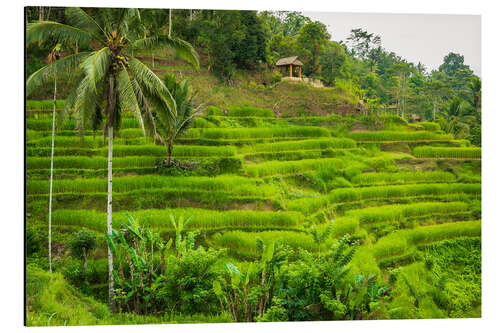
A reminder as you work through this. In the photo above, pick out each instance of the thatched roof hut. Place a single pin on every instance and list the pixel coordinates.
(290, 62)
(416, 118)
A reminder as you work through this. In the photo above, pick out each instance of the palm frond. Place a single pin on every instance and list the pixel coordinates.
(62, 66)
(182, 48)
(149, 123)
(58, 32)
(127, 97)
(148, 80)
(81, 19)
(96, 65)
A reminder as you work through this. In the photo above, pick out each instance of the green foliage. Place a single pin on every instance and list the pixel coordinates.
(246, 133)
(398, 136)
(214, 111)
(202, 219)
(82, 244)
(388, 178)
(250, 111)
(446, 152)
(291, 167)
(301, 145)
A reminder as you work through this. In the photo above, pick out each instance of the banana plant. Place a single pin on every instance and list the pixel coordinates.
(179, 225)
(135, 246)
(320, 237)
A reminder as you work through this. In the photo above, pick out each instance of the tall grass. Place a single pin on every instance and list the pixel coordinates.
(158, 198)
(343, 195)
(398, 136)
(301, 154)
(246, 242)
(233, 184)
(447, 152)
(399, 241)
(248, 133)
(289, 167)
(160, 219)
(44, 104)
(387, 178)
(45, 124)
(97, 162)
(84, 141)
(392, 191)
(301, 145)
(179, 151)
(427, 125)
(250, 111)
(398, 212)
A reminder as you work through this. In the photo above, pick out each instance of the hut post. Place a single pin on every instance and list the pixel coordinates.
(290, 70)
(300, 72)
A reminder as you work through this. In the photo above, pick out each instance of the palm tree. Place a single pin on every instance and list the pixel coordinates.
(53, 56)
(107, 79)
(169, 129)
(454, 118)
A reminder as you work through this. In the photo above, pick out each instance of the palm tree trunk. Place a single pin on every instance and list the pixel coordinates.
(169, 22)
(110, 212)
(111, 109)
(169, 161)
(52, 174)
(85, 265)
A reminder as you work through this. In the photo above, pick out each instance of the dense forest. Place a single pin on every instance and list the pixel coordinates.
(174, 175)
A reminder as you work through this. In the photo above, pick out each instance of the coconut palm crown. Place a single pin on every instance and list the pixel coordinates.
(105, 76)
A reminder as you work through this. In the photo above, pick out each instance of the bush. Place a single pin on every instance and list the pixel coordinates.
(276, 78)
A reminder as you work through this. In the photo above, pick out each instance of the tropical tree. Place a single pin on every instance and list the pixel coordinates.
(53, 56)
(106, 78)
(81, 245)
(436, 89)
(169, 128)
(454, 118)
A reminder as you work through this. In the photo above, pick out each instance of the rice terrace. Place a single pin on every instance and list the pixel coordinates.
(174, 177)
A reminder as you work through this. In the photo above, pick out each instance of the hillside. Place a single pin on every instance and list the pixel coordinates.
(407, 193)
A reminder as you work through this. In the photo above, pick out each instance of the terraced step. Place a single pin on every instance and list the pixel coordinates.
(202, 219)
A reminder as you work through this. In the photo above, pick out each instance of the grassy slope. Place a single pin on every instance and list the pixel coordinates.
(51, 301)
(291, 99)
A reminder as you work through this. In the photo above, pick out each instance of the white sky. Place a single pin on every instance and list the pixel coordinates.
(415, 37)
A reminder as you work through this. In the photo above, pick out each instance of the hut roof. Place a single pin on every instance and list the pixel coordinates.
(289, 61)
